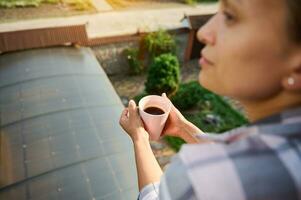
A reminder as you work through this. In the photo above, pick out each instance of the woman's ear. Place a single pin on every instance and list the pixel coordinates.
(293, 81)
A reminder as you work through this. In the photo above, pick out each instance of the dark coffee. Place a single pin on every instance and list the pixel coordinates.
(154, 111)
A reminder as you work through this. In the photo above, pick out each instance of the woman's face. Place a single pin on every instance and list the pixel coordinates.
(246, 49)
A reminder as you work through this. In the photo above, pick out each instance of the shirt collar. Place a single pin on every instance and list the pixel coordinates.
(285, 124)
(293, 114)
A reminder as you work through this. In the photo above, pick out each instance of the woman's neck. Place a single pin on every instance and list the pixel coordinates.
(257, 110)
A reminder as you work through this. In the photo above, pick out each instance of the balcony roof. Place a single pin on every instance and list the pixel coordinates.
(60, 137)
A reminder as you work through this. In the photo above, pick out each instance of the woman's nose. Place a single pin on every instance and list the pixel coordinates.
(207, 33)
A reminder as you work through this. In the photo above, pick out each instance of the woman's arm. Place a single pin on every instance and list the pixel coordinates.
(188, 132)
(148, 169)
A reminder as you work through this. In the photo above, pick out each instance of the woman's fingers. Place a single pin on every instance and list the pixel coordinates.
(132, 108)
(124, 115)
(172, 106)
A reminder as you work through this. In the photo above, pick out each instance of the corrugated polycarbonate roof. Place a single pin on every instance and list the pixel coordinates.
(60, 137)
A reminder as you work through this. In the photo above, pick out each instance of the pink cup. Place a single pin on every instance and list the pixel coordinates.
(154, 124)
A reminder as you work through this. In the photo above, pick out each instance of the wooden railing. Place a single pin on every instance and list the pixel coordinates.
(43, 37)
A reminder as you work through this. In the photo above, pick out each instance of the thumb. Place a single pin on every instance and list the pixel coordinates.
(164, 95)
(132, 108)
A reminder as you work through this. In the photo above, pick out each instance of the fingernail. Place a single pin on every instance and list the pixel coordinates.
(131, 102)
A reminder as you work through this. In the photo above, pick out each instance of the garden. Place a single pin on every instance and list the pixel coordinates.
(156, 58)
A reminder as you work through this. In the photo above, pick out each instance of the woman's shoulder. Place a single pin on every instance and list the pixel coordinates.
(247, 159)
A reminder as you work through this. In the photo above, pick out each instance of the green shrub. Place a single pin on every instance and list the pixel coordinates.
(133, 61)
(174, 142)
(188, 95)
(163, 75)
(159, 42)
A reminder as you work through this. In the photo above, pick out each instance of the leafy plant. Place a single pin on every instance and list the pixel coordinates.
(159, 42)
(163, 75)
(133, 60)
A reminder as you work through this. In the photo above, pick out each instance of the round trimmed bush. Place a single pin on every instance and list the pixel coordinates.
(163, 75)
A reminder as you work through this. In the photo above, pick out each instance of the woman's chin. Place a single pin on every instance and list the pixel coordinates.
(207, 84)
(202, 81)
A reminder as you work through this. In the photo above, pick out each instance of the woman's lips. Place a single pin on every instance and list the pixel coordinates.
(204, 62)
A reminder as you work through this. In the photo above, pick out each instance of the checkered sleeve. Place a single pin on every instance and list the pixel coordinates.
(149, 192)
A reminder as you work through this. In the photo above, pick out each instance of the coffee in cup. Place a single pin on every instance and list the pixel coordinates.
(154, 111)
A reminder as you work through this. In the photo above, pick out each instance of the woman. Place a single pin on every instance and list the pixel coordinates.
(252, 54)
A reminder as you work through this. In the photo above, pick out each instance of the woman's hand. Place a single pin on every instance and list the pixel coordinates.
(131, 122)
(175, 122)
(177, 126)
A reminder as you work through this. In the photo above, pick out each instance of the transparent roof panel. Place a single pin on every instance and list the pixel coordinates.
(60, 137)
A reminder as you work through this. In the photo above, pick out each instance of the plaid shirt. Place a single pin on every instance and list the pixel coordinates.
(260, 161)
